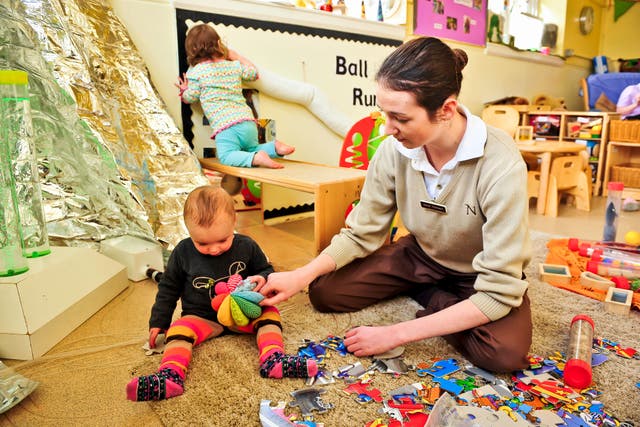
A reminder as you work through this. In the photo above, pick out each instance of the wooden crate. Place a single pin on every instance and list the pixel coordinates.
(624, 130)
(627, 173)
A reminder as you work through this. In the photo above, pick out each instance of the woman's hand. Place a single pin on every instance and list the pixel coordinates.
(281, 286)
(153, 335)
(370, 340)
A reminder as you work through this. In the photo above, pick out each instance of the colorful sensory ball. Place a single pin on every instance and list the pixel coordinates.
(235, 302)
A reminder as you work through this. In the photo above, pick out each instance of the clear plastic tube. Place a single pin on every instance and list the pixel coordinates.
(615, 257)
(577, 369)
(612, 211)
(21, 158)
(607, 269)
(587, 246)
(12, 260)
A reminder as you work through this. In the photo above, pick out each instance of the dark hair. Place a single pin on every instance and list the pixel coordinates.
(427, 67)
(206, 203)
(203, 43)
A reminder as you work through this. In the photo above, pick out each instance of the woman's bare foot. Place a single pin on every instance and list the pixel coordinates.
(283, 149)
(261, 158)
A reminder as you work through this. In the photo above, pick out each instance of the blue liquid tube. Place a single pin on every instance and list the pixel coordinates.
(12, 260)
(612, 211)
(17, 133)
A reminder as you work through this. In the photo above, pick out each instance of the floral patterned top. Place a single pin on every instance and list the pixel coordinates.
(218, 87)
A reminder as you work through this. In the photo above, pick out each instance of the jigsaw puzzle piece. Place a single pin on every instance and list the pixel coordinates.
(308, 400)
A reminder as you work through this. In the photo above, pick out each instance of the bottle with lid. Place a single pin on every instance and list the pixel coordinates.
(12, 260)
(612, 211)
(19, 154)
(577, 369)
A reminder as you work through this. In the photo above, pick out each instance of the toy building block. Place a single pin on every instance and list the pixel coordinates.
(555, 272)
(594, 281)
(618, 301)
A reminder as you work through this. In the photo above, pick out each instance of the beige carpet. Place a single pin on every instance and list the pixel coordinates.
(223, 386)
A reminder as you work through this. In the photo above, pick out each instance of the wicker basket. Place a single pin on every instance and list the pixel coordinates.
(627, 173)
(624, 130)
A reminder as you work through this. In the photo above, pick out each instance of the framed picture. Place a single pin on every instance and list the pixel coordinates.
(459, 20)
(524, 134)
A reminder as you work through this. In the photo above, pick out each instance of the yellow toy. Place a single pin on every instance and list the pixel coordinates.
(632, 238)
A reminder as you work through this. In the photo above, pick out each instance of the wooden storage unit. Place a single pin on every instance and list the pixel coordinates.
(623, 163)
(589, 128)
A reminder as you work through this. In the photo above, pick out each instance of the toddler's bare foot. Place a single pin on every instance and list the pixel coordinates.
(283, 149)
(261, 158)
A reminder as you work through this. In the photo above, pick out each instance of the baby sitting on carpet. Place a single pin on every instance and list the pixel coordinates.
(212, 260)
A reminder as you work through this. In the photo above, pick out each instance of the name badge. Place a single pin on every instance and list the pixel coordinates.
(433, 206)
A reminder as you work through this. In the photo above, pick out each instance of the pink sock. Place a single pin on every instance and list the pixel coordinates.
(164, 384)
(280, 365)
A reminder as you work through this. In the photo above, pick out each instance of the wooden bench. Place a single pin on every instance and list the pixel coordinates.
(334, 189)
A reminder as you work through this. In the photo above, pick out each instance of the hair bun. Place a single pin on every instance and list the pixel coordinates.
(461, 58)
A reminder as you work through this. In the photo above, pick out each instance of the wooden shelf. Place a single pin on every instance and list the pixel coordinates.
(596, 146)
(619, 152)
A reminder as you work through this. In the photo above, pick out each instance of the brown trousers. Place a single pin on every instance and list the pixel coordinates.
(403, 268)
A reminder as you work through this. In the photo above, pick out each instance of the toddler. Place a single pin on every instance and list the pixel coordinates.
(214, 78)
(213, 253)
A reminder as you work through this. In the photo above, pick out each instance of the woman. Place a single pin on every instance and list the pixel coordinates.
(460, 189)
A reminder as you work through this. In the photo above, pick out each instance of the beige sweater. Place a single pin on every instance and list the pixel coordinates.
(484, 230)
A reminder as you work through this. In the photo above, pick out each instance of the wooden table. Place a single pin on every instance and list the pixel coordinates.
(334, 189)
(546, 150)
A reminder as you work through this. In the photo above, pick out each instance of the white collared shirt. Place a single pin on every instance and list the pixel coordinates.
(471, 147)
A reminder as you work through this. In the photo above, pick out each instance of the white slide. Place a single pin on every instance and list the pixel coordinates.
(304, 94)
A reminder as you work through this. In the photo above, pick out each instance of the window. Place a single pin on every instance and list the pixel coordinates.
(516, 23)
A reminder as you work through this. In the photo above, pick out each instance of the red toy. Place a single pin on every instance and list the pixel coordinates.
(577, 369)
(585, 245)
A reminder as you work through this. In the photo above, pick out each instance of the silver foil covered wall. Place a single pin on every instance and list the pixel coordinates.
(110, 158)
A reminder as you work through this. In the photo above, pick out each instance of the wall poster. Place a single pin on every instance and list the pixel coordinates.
(459, 20)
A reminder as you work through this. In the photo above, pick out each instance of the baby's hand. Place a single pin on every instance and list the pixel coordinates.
(258, 280)
(182, 84)
(153, 335)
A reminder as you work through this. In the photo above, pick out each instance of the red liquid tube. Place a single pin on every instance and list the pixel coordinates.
(587, 246)
(577, 369)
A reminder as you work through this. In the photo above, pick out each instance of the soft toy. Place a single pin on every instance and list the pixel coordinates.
(236, 302)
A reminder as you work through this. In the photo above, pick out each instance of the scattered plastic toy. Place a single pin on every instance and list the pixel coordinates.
(336, 344)
(308, 400)
(395, 366)
(363, 393)
(159, 346)
(535, 396)
(322, 378)
(273, 416)
(13, 388)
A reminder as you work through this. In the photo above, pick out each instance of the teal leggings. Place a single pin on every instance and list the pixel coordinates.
(237, 144)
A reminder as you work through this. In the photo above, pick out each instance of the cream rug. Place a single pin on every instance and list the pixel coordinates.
(223, 387)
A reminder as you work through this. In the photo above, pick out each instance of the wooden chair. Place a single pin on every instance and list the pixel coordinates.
(533, 184)
(502, 117)
(508, 119)
(570, 175)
